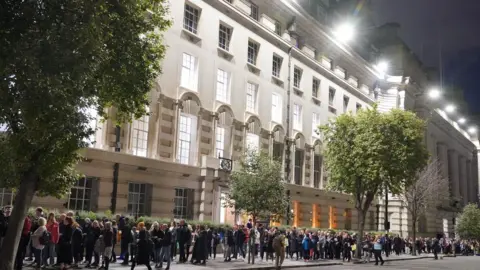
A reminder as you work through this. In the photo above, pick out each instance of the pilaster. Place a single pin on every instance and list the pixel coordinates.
(454, 172)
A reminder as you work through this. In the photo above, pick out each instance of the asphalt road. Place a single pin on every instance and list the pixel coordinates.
(458, 263)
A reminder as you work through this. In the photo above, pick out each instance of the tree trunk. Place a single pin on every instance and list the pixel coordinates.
(23, 200)
(361, 227)
(414, 245)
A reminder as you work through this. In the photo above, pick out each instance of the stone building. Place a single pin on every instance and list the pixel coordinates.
(244, 73)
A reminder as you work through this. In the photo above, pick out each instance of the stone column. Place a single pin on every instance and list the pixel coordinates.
(271, 136)
(213, 146)
(401, 97)
(462, 177)
(312, 166)
(442, 155)
(153, 129)
(470, 183)
(292, 161)
(178, 105)
(453, 172)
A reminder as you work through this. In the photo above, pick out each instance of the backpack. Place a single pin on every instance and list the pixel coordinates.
(45, 238)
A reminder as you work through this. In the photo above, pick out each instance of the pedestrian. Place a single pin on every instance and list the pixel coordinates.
(377, 251)
(279, 247)
(39, 240)
(142, 251)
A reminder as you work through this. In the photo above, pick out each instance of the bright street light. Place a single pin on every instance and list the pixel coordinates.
(382, 66)
(345, 32)
(434, 93)
(450, 108)
(462, 120)
(472, 130)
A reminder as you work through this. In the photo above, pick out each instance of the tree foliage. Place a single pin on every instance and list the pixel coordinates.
(426, 193)
(366, 151)
(257, 188)
(468, 222)
(59, 61)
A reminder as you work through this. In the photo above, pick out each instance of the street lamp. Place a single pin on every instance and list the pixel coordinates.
(462, 120)
(472, 130)
(434, 93)
(450, 108)
(345, 32)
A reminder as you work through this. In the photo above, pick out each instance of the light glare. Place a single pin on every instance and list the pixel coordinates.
(345, 32)
(462, 120)
(450, 108)
(472, 130)
(382, 66)
(434, 93)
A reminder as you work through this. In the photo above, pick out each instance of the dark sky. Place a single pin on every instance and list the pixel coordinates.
(455, 24)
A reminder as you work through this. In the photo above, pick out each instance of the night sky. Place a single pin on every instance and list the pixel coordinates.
(455, 24)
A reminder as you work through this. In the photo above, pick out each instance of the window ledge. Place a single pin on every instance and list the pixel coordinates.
(277, 80)
(224, 53)
(332, 109)
(316, 100)
(253, 68)
(192, 36)
(298, 91)
(298, 129)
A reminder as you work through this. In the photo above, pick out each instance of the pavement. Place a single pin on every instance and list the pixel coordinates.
(241, 264)
(448, 263)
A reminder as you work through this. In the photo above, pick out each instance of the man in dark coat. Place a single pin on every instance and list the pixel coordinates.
(126, 239)
(183, 236)
(200, 247)
(143, 250)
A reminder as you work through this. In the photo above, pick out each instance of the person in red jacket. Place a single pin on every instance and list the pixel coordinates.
(49, 250)
(22, 245)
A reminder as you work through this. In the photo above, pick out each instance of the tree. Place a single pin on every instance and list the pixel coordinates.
(468, 222)
(369, 150)
(425, 193)
(257, 188)
(61, 60)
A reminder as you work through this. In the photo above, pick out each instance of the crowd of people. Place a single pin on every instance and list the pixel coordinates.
(46, 242)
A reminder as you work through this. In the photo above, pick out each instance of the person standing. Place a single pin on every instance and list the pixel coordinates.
(142, 250)
(166, 246)
(126, 239)
(4, 219)
(183, 236)
(49, 250)
(377, 251)
(108, 237)
(65, 245)
(279, 247)
(200, 253)
(39, 240)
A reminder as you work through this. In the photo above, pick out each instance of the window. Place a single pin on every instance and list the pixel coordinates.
(346, 100)
(254, 11)
(297, 77)
(220, 142)
(297, 117)
(317, 169)
(140, 136)
(278, 28)
(278, 151)
(223, 86)
(315, 87)
(276, 108)
(253, 141)
(298, 166)
(6, 196)
(190, 20)
(251, 97)
(358, 106)
(189, 72)
(136, 199)
(224, 35)
(92, 114)
(186, 139)
(181, 201)
(81, 194)
(315, 124)
(331, 96)
(252, 52)
(276, 66)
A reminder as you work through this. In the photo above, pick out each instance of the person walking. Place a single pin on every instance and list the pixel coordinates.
(279, 247)
(377, 251)
(39, 240)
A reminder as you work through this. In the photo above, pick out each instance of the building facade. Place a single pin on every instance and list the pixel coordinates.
(241, 74)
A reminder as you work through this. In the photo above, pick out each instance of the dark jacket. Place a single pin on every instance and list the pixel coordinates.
(143, 249)
(108, 238)
(183, 234)
(167, 238)
(157, 236)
